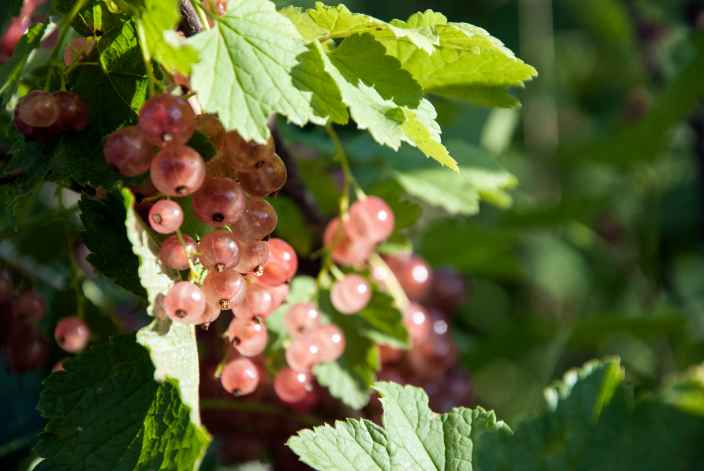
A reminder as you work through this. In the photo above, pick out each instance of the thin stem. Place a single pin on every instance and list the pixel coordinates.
(258, 408)
(75, 271)
(191, 267)
(349, 180)
(146, 57)
(336, 272)
(391, 282)
(202, 15)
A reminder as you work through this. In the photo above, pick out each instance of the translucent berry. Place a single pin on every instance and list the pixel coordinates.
(267, 178)
(302, 319)
(219, 251)
(27, 350)
(258, 220)
(371, 218)
(330, 341)
(38, 109)
(417, 322)
(259, 300)
(30, 307)
(245, 156)
(413, 273)
(351, 294)
(73, 112)
(303, 353)
(177, 170)
(224, 288)
(292, 386)
(175, 255)
(240, 377)
(128, 151)
(185, 302)
(281, 265)
(447, 289)
(72, 334)
(219, 202)
(165, 216)
(167, 119)
(211, 314)
(343, 248)
(253, 254)
(279, 294)
(248, 335)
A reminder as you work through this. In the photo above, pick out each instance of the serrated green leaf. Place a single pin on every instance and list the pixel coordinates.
(104, 234)
(11, 71)
(413, 437)
(326, 21)
(245, 67)
(468, 63)
(358, 445)
(593, 422)
(376, 110)
(158, 20)
(105, 411)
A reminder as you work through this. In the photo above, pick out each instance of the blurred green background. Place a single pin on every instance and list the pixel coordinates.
(600, 252)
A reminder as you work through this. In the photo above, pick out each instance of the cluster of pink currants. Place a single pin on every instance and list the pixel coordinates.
(351, 238)
(233, 268)
(432, 359)
(42, 116)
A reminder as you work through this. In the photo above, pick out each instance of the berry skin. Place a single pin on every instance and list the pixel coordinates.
(128, 151)
(413, 273)
(253, 254)
(268, 177)
(167, 119)
(177, 170)
(248, 335)
(292, 386)
(174, 255)
(73, 112)
(224, 288)
(330, 341)
(219, 202)
(303, 353)
(343, 248)
(26, 350)
(372, 219)
(219, 251)
(72, 334)
(351, 294)
(417, 321)
(302, 319)
(258, 220)
(244, 156)
(185, 302)
(165, 216)
(38, 109)
(240, 377)
(281, 265)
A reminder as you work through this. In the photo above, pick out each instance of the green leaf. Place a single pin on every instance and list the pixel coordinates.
(104, 235)
(292, 226)
(479, 177)
(413, 437)
(157, 21)
(593, 422)
(106, 411)
(326, 21)
(245, 67)
(468, 64)
(382, 321)
(11, 71)
(358, 77)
